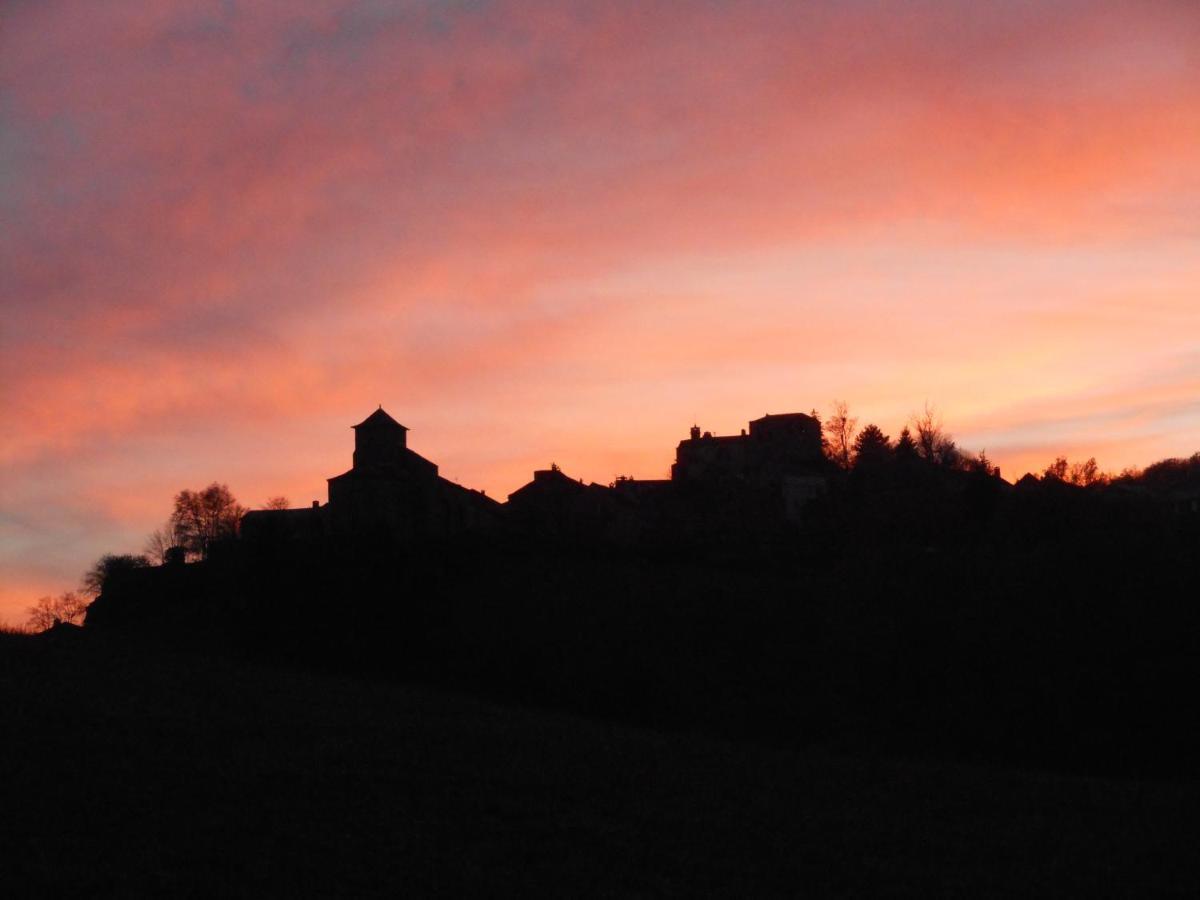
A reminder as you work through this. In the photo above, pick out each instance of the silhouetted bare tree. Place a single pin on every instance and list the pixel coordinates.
(1086, 473)
(201, 517)
(1057, 469)
(47, 612)
(1082, 474)
(279, 502)
(160, 540)
(934, 444)
(840, 429)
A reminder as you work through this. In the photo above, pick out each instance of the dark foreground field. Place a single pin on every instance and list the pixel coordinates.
(128, 771)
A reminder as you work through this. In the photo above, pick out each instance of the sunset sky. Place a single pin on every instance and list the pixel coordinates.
(564, 231)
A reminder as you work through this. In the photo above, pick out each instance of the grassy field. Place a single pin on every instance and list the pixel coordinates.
(130, 772)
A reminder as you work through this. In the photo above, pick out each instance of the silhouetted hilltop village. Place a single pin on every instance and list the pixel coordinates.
(792, 582)
(391, 492)
(759, 484)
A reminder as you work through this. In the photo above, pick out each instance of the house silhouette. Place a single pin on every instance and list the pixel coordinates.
(394, 493)
(390, 491)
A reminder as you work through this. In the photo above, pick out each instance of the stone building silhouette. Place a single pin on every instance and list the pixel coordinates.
(392, 490)
(775, 447)
(781, 454)
(554, 504)
(389, 492)
(393, 493)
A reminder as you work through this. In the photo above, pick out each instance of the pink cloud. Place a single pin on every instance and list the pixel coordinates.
(562, 230)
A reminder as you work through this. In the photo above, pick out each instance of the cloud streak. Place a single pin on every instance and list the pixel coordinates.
(562, 230)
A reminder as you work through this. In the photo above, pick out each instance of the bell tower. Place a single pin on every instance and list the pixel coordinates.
(379, 441)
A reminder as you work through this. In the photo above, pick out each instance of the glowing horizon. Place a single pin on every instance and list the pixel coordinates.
(562, 232)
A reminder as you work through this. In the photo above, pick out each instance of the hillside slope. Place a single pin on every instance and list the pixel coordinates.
(130, 771)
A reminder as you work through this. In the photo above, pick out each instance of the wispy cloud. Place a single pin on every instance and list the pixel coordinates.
(562, 230)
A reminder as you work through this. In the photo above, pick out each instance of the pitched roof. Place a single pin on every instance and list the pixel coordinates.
(377, 419)
(794, 417)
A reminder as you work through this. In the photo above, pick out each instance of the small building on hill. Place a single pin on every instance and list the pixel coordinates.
(392, 490)
(306, 524)
(549, 486)
(558, 506)
(775, 447)
(389, 492)
(782, 454)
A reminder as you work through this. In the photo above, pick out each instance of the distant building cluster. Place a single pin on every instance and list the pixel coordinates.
(770, 471)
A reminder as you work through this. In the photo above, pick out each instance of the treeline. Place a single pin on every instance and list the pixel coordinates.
(924, 437)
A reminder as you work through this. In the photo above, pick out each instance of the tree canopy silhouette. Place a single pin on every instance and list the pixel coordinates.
(108, 565)
(872, 447)
(906, 447)
(1056, 469)
(68, 607)
(202, 517)
(159, 541)
(933, 443)
(1081, 474)
(840, 428)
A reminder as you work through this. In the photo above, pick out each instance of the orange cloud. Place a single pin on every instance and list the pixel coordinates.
(563, 230)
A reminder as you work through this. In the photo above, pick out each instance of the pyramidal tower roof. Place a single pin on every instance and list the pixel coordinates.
(379, 419)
